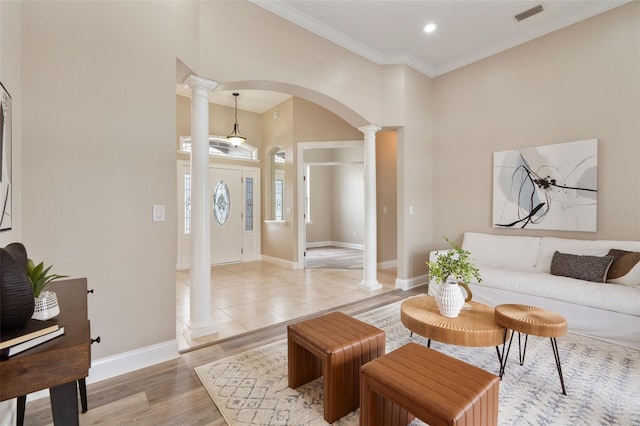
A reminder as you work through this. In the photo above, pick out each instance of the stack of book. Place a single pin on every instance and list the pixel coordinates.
(33, 334)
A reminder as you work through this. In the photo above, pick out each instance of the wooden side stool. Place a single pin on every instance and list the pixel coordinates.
(415, 381)
(335, 346)
(531, 320)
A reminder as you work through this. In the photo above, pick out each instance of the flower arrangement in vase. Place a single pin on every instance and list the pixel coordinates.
(451, 269)
(46, 302)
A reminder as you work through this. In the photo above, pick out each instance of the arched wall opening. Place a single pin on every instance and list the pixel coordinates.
(286, 244)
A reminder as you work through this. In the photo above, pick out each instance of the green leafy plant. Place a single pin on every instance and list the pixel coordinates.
(38, 276)
(456, 263)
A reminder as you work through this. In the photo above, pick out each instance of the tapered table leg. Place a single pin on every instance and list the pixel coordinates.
(64, 404)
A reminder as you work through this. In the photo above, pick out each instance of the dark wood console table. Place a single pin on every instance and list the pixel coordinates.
(58, 364)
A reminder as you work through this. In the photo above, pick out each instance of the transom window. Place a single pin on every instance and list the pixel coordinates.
(218, 145)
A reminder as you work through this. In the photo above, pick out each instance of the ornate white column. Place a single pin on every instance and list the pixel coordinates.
(370, 278)
(200, 319)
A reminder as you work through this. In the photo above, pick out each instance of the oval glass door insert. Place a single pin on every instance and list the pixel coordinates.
(221, 203)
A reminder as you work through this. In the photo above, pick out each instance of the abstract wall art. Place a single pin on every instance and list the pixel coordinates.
(5, 161)
(551, 187)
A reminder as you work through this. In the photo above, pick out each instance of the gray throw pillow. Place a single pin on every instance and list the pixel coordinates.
(588, 268)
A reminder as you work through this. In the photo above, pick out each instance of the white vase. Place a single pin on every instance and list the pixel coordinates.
(46, 306)
(450, 298)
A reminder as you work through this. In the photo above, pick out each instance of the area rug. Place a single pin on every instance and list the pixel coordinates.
(602, 382)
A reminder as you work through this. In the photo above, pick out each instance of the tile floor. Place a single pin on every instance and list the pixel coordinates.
(249, 296)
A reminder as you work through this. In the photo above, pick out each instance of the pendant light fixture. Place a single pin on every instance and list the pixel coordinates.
(236, 137)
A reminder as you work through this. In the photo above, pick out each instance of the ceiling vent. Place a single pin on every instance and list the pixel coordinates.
(529, 13)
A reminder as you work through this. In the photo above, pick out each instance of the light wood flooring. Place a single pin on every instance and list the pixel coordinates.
(171, 393)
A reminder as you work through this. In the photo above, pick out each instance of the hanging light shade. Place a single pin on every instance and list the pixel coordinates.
(236, 137)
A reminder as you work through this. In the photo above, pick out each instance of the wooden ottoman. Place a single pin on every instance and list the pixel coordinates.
(335, 346)
(436, 388)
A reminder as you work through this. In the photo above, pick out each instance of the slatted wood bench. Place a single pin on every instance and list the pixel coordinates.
(415, 381)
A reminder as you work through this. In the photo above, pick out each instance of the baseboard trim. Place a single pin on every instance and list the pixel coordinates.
(412, 282)
(389, 264)
(280, 262)
(335, 244)
(126, 362)
(319, 244)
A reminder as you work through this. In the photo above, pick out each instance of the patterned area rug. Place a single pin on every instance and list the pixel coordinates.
(602, 381)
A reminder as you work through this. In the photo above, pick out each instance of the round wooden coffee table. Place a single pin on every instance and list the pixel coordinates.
(474, 327)
(532, 320)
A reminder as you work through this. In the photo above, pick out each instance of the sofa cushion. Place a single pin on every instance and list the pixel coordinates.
(549, 245)
(502, 251)
(588, 268)
(613, 297)
(625, 268)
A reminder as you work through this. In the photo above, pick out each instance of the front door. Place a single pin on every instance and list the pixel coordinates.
(226, 215)
(235, 216)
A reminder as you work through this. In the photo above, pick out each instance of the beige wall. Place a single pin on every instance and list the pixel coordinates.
(271, 49)
(320, 204)
(415, 174)
(313, 123)
(98, 151)
(347, 203)
(337, 204)
(298, 120)
(578, 83)
(278, 241)
(333, 214)
(386, 197)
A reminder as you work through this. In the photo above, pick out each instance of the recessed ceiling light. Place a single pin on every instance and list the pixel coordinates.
(430, 27)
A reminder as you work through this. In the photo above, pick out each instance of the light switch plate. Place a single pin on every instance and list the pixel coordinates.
(158, 212)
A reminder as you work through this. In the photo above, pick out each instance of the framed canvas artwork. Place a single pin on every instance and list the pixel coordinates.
(5, 161)
(551, 187)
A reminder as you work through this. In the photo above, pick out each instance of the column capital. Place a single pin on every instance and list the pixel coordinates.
(194, 82)
(369, 128)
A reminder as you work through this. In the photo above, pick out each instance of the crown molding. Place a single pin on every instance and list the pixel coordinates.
(305, 21)
(291, 14)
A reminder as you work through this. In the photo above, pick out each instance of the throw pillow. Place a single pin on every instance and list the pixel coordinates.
(625, 268)
(588, 268)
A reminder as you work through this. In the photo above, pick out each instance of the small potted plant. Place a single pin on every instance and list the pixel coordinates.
(46, 302)
(451, 269)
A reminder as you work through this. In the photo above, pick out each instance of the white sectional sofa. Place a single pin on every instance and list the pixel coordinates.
(517, 269)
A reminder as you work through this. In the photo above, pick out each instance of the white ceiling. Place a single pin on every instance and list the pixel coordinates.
(391, 31)
(257, 101)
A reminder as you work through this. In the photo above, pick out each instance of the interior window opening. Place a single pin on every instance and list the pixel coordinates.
(218, 145)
